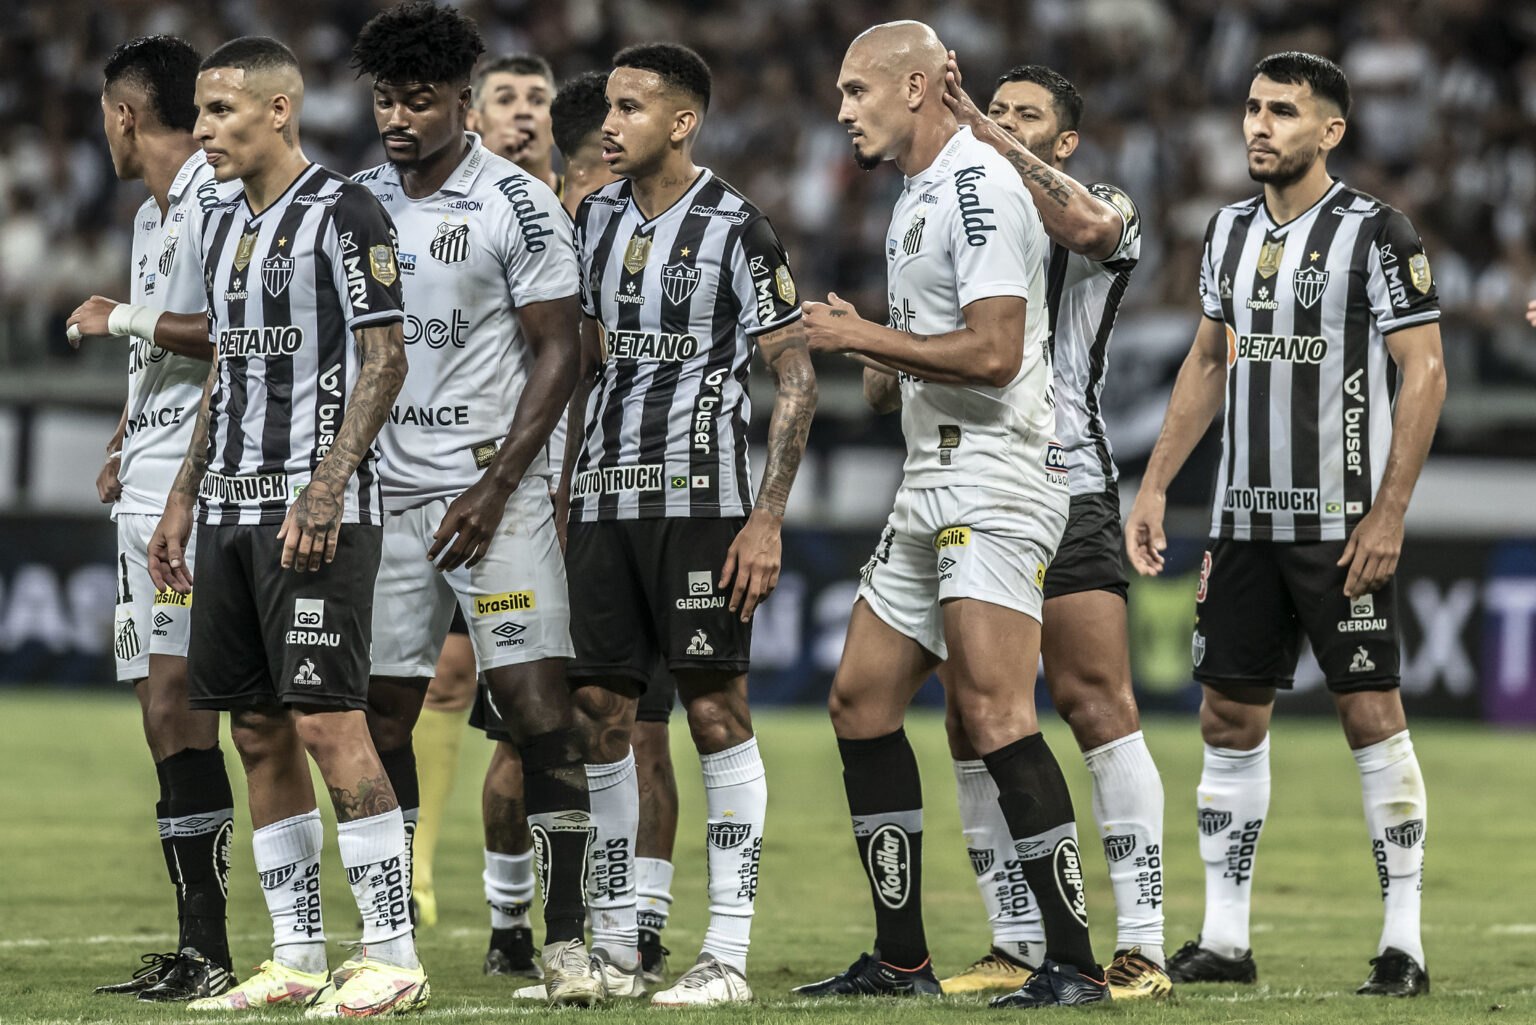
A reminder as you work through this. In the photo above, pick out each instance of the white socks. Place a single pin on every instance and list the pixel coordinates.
(288, 862)
(1128, 807)
(1233, 799)
(736, 802)
(615, 799)
(1017, 929)
(654, 885)
(1395, 806)
(373, 852)
(508, 882)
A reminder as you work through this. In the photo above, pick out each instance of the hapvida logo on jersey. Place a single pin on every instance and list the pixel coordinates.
(529, 216)
(976, 226)
(701, 593)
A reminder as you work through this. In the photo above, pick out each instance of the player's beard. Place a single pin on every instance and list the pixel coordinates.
(866, 163)
(1289, 168)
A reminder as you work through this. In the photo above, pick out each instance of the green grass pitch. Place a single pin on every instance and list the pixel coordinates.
(84, 890)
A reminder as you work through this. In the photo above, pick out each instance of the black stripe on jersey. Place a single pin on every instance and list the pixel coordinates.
(1236, 233)
(215, 410)
(603, 410)
(1306, 378)
(239, 390)
(621, 380)
(1098, 359)
(724, 318)
(1357, 329)
(1055, 281)
(1261, 322)
(277, 309)
(666, 378)
(331, 379)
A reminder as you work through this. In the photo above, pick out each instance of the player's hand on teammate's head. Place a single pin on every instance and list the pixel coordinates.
(1530, 312)
(89, 320)
(826, 324)
(956, 98)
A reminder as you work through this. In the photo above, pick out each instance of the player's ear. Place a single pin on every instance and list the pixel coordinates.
(1333, 132)
(282, 113)
(683, 126)
(917, 89)
(1066, 144)
(465, 95)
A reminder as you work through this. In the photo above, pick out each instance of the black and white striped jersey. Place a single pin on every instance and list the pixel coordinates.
(1084, 297)
(1307, 306)
(286, 289)
(679, 299)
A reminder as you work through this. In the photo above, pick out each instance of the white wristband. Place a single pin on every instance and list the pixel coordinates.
(127, 319)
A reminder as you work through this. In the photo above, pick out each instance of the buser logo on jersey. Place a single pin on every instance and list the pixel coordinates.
(507, 601)
(328, 411)
(1354, 416)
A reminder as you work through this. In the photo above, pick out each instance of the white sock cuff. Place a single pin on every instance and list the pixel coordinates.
(372, 840)
(653, 876)
(288, 841)
(733, 766)
(1104, 751)
(973, 782)
(1234, 764)
(611, 774)
(1384, 754)
(508, 867)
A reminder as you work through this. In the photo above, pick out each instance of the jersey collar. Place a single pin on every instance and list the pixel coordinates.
(705, 174)
(183, 180)
(1264, 207)
(459, 181)
(941, 163)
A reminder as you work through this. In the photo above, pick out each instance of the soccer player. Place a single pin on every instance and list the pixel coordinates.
(668, 554)
(510, 110)
(1321, 337)
(959, 568)
(577, 116)
(435, 741)
(1096, 241)
(147, 114)
(305, 314)
(489, 272)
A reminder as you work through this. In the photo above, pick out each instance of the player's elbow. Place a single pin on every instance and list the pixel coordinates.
(1001, 365)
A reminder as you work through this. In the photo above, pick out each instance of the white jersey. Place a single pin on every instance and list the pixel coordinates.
(165, 390)
(492, 239)
(966, 229)
(1084, 297)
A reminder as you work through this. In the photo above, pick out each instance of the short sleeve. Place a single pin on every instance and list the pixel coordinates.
(540, 259)
(1210, 294)
(995, 236)
(1399, 284)
(584, 277)
(764, 286)
(1129, 247)
(361, 245)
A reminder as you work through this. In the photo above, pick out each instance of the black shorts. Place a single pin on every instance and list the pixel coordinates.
(655, 706)
(1255, 601)
(643, 590)
(457, 624)
(1091, 556)
(262, 634)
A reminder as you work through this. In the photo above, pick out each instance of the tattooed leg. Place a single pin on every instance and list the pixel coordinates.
(605, 712)
(338, 741)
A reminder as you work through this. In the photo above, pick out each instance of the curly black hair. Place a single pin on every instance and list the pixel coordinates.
(166, 69)
(418, 41)
(578, 110)
(679, 67)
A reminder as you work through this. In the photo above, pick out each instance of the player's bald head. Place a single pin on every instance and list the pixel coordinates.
(259, 66)
(899, 48)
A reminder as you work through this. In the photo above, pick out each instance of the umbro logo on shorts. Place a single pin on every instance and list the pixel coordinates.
(509, 634)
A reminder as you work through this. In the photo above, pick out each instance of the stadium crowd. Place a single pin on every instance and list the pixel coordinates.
(1446, 96)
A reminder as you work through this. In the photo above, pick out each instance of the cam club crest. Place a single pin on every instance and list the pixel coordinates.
(1309, 283)
(1406, 834)
(980, 860)
(726, 835)
(637, 253)
(1213, 821)
(276, 272)
(1118, 846)
(678, 280)
(1270, 255)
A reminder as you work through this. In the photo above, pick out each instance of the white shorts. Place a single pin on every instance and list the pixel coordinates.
(959, 542)
(146, 623)
(514, 599)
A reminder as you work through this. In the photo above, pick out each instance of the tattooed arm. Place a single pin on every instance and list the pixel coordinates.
(882, 389)
(753, 560)
(167, 546)
(1073, 216)
(312, 526)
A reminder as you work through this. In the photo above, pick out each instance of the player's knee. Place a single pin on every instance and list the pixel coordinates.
(388, 733)
(259, 734)
(960, 747)
(717, 725)
(1233, 728)
(1096, 709)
